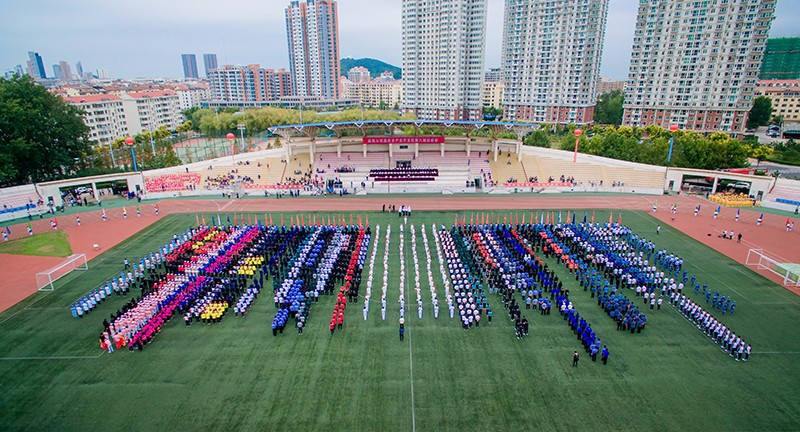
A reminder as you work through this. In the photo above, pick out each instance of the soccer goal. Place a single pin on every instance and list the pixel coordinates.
(45, 279)
(788, 271)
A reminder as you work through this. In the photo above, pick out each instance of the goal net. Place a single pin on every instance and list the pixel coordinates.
(45, 279)
(789, 272)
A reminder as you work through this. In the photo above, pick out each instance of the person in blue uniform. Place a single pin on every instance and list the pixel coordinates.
(604, 355)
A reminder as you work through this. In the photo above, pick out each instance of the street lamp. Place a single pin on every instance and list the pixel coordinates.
(672, 128)
(113, 160)
(577, 133)
(150, 125)
(129, 142)
(231, 137)
(241, 128)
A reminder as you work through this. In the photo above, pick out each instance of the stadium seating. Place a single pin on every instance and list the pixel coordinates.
(785, 191)
(330, 162)
(508, 170)
(589, 174)
(19, 201)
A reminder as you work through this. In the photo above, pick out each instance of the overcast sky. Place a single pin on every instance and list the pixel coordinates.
(145, 38)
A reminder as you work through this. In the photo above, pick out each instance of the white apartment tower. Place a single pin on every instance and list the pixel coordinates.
(443, 50)
(312, 31)
(551, 59)
(696, 63)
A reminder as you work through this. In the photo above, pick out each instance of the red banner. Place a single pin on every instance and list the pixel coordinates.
(425, 139)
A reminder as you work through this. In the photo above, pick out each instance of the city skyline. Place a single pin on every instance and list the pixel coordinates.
(93, 32)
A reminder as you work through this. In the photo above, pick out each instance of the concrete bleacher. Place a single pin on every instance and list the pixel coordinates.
(590, 173)
(329, 162)
(18, 199)
(257, 174)
(785, 195)
(507, 168)
(474, 164)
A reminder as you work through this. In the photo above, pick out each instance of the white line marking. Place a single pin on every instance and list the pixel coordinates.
(411, 369)
(26, 307)
(410, 354)
(52, 358)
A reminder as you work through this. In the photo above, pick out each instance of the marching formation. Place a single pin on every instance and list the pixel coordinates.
(208, 271)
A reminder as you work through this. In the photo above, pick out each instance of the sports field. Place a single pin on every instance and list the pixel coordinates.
(236, 376)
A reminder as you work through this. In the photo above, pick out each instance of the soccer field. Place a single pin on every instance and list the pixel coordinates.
(236, 376)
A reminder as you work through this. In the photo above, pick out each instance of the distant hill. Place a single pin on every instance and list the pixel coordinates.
(376, 67)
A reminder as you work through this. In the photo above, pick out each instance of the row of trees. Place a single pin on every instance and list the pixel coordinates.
(650, 145)
(217, 123)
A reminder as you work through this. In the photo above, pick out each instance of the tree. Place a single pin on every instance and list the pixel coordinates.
(537, 138)
(42, 138)
(760, 113)
(492, 113)
(760, 153)
(609, 108)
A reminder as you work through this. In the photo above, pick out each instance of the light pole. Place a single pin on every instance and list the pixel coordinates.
(129, 141)
(577, 133)
(150, 126)
(672, 129)
(241, 127)
(231, 137)
(113, 160)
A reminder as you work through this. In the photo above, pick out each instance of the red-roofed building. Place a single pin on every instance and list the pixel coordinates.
(104, 115)
(151, 110)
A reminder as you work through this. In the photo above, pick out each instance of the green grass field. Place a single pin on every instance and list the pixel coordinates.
(236, 376)
(51, 243)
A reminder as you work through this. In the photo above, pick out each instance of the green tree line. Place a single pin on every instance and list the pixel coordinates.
(650, 145)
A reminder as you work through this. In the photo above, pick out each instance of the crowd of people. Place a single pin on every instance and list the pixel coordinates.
(727, 340)
(207, 271)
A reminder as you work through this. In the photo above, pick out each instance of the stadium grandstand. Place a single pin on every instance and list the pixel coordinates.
(398, 156)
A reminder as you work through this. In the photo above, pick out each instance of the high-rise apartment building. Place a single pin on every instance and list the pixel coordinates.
(443, 55)
(781, 59)
(696, 63)
(551, 59)
(79, 70)
(209, 62)
(57, 72)
(493, 75)
(66, 71)
(246, 84)
(312, 32)
(189, 65)
(36, 65)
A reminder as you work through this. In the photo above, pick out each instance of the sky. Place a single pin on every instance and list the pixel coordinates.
(145, 38)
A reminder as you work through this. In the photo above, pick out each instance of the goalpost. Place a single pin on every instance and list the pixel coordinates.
(45, 279)
(759, 259)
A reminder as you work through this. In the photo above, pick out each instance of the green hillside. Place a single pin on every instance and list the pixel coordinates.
(376, 67)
